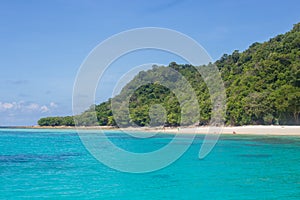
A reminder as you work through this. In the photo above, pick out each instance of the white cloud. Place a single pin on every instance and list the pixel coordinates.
(24, 107)
(7, 105)
(25, 112)
(44, 109)
(53, 105)
(33, 106)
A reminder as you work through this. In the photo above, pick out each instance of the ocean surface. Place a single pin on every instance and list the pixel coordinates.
(54, 164)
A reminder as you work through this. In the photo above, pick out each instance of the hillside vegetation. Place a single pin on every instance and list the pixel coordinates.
(262, 87)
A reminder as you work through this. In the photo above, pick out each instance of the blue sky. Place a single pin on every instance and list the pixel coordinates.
(43, 43)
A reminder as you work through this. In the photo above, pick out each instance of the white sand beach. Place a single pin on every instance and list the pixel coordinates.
(238, 130)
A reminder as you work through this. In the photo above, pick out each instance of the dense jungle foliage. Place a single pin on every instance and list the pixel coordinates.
(262, 87)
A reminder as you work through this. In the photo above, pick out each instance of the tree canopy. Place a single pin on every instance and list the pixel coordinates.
(262, 87)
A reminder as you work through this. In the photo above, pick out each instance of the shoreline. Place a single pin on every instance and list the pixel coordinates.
(233, 130)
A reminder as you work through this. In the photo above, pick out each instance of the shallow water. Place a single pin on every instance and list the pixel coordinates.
(54, 164)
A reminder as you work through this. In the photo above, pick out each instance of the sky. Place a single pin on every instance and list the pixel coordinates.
(44, 43)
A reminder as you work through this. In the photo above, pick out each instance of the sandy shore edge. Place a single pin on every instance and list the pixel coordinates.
(238, 130)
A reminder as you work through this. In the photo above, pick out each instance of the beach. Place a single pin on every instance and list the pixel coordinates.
(238, 130)
(244, 130)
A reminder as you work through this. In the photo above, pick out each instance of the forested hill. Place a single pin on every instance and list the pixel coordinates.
(262, 87)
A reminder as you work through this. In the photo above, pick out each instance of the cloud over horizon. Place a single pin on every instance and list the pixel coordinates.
(18, 113)
(25, 107)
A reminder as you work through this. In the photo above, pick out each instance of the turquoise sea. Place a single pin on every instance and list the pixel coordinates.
(53, 164)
